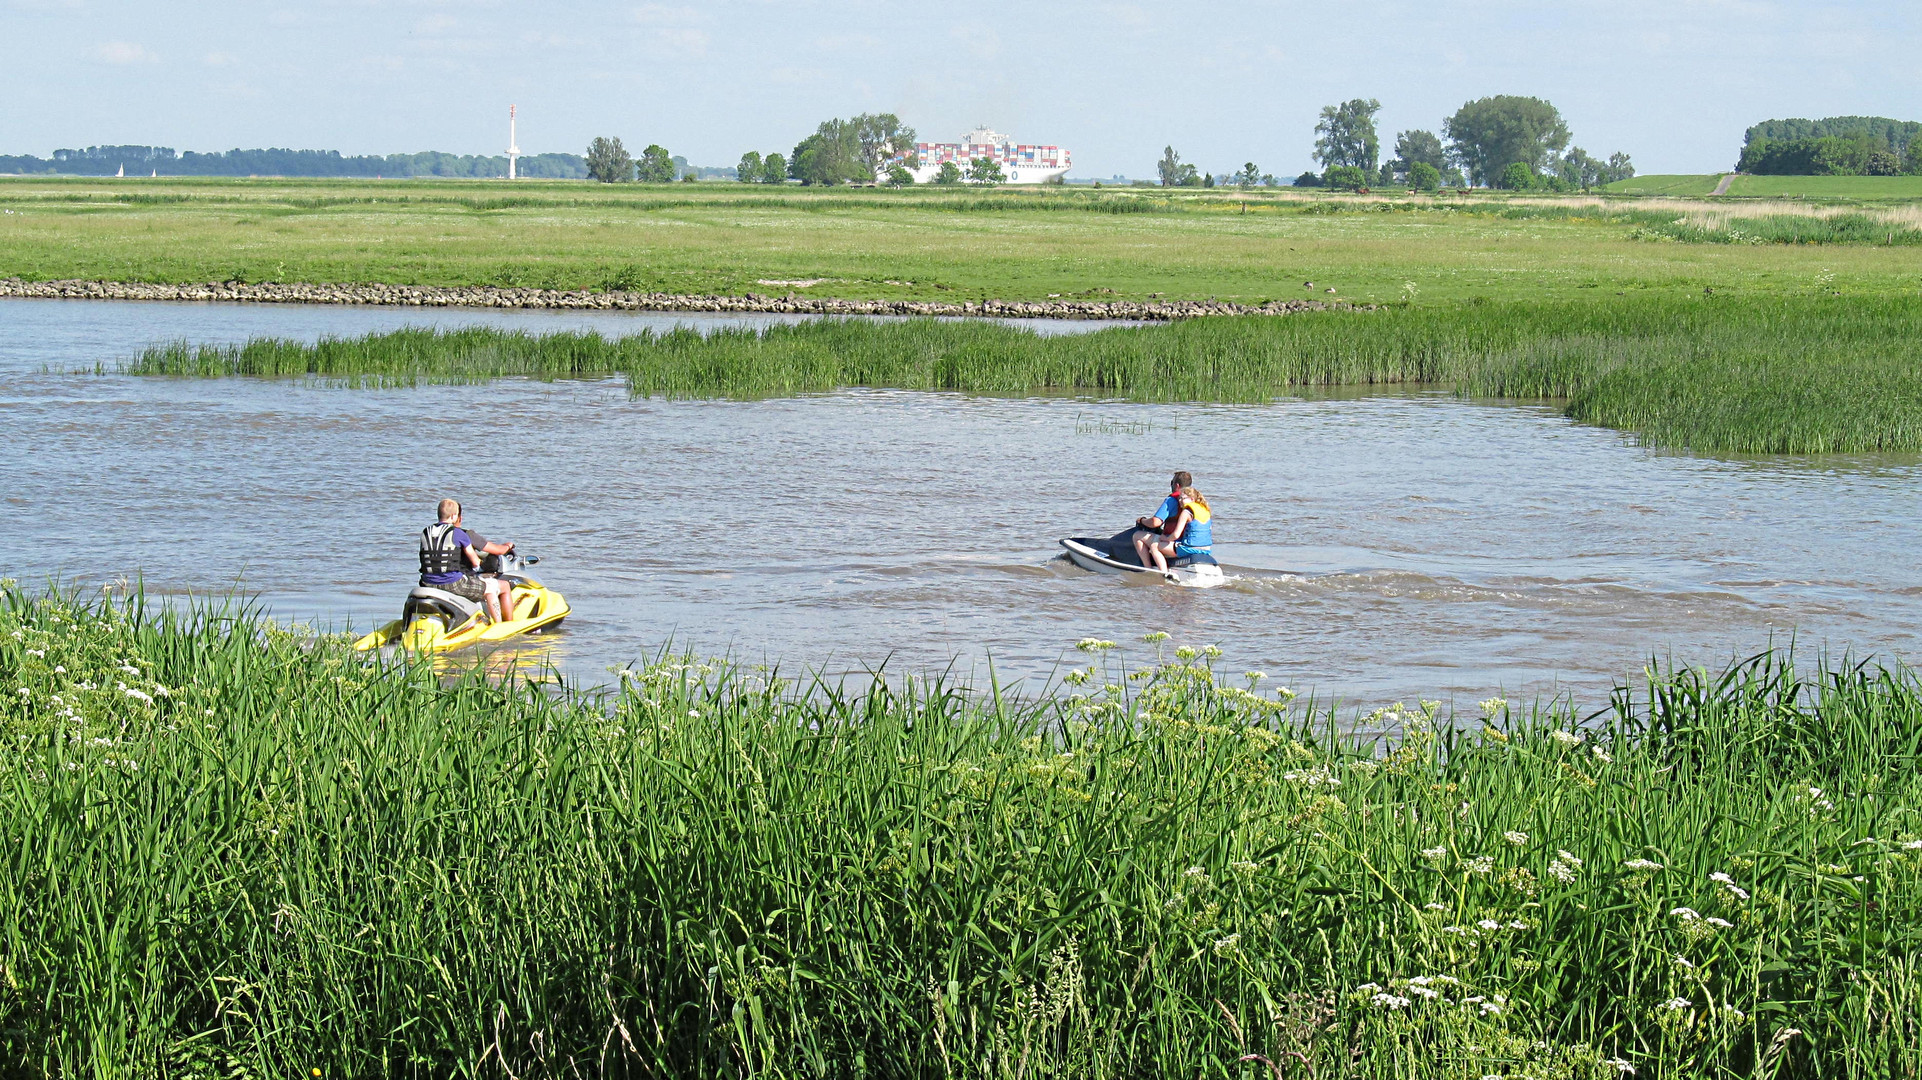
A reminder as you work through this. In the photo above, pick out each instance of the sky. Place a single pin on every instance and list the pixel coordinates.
(1674, 83)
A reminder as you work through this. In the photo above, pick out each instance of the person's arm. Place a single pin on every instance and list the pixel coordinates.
(495, 548)
(1150, 523)
(473, 557)
(1181, 525)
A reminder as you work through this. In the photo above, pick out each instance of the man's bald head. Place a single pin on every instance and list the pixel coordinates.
(449, 509)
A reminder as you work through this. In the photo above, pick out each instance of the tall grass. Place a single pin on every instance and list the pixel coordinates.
(233, 852)
(1804, 375)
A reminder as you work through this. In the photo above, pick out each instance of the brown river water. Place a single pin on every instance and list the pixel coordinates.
(1382, 546)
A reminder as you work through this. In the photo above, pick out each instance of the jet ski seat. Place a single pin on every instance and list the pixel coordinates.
(425, 598)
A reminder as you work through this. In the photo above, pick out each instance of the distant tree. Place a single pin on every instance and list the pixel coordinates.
(1912, 159)
(774, 169)
(1169, 167)
(608, 161)
(1308, 179)
(1619, 168)
(1577, 169)
(1208, 181)
(986, 171)
(1424, 177)
(882, 138)
(1347, 134)
(948, 173)
(749, 170)
(1249, 176)
(1516, 177)
(655, 166)
(832, 155)
(899, 176)
(1414, 146)
(1488, 135)
(1345, 177)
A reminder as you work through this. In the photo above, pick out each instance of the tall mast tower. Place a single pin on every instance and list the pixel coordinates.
(513, 144)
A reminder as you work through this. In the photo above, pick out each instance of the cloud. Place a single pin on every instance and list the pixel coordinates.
(220, 59)
(124, 52)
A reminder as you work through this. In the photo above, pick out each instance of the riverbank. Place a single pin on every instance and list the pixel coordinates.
(484, 296)
(944, 245)
(234, 847)
(1805, 375)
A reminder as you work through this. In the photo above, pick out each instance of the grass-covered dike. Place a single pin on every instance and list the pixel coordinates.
(1806, 374)
(235, 851)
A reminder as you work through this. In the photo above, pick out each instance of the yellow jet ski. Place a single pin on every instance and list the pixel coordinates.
(433, 620)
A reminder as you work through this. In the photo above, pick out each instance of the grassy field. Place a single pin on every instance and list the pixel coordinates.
(235, 852)
(1902, 188)
(1812, 374)
(1666, 185)
(1112, 243)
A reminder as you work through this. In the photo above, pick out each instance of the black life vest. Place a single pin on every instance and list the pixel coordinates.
(439, 554)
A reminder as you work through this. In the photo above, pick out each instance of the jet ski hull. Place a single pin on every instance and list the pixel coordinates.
(1116, 555)
(440, 627)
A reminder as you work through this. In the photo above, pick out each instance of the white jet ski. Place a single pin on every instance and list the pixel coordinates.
(1116, 555)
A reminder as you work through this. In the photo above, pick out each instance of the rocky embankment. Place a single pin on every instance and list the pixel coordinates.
(481, 296)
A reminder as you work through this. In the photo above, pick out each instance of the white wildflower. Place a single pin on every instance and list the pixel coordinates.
(135, 694)
(1319, 776)
(1685, 914)
(58, 670)
(1561, 872)
(1515, 838)
(1569, 859)
(1089, 644)
(1677, 1004)
(1731, 1013)
(1433, 906)
(1912, 845)
(1493, 707)
(1683, 962)
(1517, 924)
(1489, 924)
(37, 652)
(1601, 755)
(1195, 872)
(1434, 853)
(1621, 1066)
(1390, 1001)
(1567, 738)
(1229, 944)
(1719, 924)
(1729, 883)
(1642, 864)
(1423, 992)
(1480, 864)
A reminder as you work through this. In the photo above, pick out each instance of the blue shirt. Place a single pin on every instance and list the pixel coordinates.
(461, 543)
(1170, 509)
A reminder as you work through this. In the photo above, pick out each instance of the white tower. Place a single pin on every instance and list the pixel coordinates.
(513, 145)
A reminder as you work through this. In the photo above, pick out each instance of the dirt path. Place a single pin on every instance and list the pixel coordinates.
(1722, 188)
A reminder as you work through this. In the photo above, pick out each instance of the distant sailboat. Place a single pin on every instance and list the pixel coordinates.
(155, 174)
(122, 172)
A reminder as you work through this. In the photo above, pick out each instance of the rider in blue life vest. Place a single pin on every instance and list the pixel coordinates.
(450, 558)
(1182, 527)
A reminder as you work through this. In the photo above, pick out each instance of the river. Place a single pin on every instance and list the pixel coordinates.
(1383, 546)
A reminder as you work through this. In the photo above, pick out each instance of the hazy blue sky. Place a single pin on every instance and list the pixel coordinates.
(1673, 82)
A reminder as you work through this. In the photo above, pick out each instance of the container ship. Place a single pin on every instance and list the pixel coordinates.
(1022, 163)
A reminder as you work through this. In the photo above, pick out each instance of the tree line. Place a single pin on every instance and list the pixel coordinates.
(146, 160)
(1835, 146)
(1505, 141)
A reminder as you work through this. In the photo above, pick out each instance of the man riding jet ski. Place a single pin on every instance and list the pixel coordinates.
(1176, 542)
(470, 591)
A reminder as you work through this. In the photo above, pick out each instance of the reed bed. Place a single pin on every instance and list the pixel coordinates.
(1805, 375)
(236, 851)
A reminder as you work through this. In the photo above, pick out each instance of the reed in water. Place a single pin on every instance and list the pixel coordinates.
(234, 850)
(1801, 376)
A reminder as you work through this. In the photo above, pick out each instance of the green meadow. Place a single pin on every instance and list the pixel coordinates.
(926, 243)
(1805, 375)
(233, 850)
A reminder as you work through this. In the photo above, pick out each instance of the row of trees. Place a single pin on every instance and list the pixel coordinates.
(1503, 141)
(1836, 146)
(610, 163)
(145, 160)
